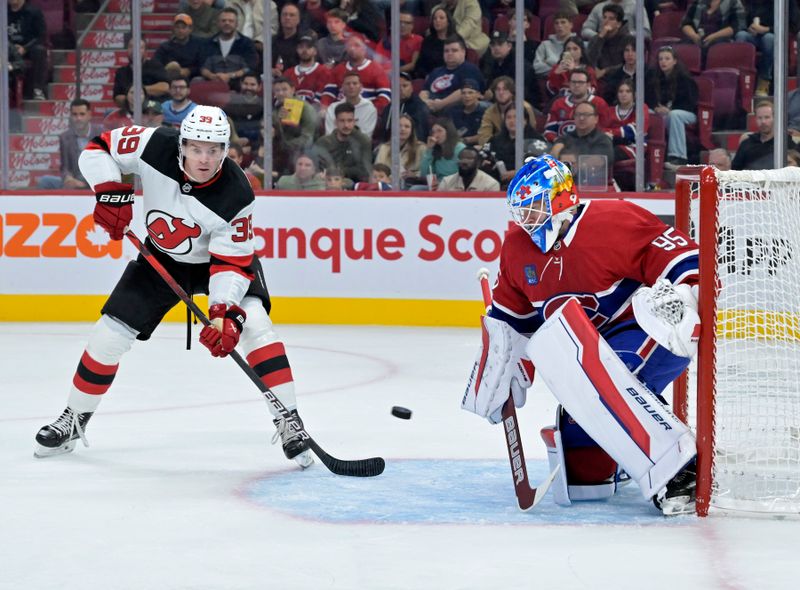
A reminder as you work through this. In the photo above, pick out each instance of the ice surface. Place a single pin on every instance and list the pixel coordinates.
(181, 489)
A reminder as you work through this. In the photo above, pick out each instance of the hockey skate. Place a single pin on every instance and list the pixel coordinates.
(678, 496)
(293, 446)
(61, 436)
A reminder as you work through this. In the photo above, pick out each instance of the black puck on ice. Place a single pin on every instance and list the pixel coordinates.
(401, 412)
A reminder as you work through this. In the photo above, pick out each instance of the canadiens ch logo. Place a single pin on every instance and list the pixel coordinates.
(170, 233)
(186, 187)
(530, 274)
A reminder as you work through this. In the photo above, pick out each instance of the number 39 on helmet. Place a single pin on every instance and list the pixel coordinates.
(205, 123)
(541, 197)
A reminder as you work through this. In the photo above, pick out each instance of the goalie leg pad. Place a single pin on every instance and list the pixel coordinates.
(610, 404)
(587, 472)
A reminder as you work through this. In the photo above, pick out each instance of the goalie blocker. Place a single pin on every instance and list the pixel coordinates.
(616, 410)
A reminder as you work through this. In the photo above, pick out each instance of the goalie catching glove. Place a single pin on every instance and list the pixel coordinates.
(114, 208)
(501, 366)
(668, 313)
(222, 336)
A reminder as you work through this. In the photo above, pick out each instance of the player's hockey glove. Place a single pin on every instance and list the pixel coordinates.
(114, 208)
(222, 335)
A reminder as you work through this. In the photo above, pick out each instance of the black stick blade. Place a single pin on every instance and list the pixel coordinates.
(355, 468)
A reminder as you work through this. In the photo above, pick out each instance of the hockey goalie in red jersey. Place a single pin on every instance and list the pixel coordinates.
(198, 208)
(601, 297)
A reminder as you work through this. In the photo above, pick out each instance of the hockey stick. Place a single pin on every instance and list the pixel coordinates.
(527, 497)
(356, 468)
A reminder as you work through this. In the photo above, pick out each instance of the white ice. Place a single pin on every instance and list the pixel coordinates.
(180, 488)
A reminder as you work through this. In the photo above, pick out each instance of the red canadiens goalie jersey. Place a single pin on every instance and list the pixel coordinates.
(610, 250)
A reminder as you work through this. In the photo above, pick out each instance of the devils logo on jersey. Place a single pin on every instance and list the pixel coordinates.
(171, 234)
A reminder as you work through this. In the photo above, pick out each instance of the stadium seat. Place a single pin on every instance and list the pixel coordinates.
(727, 107)
(472, 56)
(689, 55)
(211, 92)
(667, 24)
(548, 7)
(501, 23)
(705, 113)
(741, 56)
(418, 85)
(535, 29)
(421, 24)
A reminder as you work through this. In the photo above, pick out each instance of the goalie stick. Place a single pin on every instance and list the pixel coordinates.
(527, 497)
(355, 468)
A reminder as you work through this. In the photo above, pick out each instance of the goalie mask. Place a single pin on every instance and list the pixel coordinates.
(204, 123)
(540, 198)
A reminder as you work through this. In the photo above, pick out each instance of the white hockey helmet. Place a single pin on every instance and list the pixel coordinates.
(205, 123)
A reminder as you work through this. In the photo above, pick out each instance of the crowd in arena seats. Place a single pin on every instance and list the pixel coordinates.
(331, 92)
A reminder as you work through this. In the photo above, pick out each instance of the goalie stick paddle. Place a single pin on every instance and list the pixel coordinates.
(527, 497)
(354, 468)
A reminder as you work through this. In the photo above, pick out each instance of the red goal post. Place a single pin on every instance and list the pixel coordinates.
(741, 394)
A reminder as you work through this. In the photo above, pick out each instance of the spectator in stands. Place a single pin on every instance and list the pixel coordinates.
(27, 31)
(756, 149)
(529, 45)
(236, 153)
(503, 92)
(410, 43)
(468, 114)
(379, 180)
(181, 55)
(594, 22)
(410, 104)
(606, 49)
(719, 158)
(365, 113)
(620, 125)
(468, 18)
(469, 176)
(179, 104)
(586, 138)
(122, 117)
(347, 148)
(502, 146)
(204, 16)
(441, 157)
(229, 55)
(548, 54)
(154, 77)
(560, 118)
(363, 18)
(314, 13)
(16, 68)
(621, 72)
(431, 54)
(305, 176)
(708, 22)
(443, 85)
(250, 19)
(671, 92)
(152, 113)
(793, 158)
(284, 43)
(793, 113)
(499, 60)
(309, 76)
(334, 180)
(760, 18)
(246, 109)
(330, 49)
(373, 77)
(573, 56)
(70, 145)
(411, 152)
(298, 131)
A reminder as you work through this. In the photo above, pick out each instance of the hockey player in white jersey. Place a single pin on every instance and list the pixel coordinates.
(198, 208)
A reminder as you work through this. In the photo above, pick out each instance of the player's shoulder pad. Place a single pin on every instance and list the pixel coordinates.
(229, 194)
(161, 151)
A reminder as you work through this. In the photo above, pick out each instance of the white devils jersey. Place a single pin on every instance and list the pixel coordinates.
(194, 223)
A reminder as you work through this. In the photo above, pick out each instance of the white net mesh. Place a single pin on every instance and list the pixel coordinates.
(756, 462)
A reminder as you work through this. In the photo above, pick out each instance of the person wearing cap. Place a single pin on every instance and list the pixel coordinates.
(443, 85)
(179, 105)
(468, 114)
(181, 54)
(204, 17)
(152, 114)
(154, 76)
(365, 113)
(229, 55)
(309, 76)
(250, 21)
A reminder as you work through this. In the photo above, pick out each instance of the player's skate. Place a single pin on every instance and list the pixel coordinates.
(679, 495)
(293, 446)
(61, 436)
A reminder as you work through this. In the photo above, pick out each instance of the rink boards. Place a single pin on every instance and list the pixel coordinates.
(371, 258)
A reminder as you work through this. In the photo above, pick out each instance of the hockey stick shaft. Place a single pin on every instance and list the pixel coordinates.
(357, 468)
(527, 496)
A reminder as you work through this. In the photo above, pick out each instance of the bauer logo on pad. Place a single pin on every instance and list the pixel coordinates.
(530, 274)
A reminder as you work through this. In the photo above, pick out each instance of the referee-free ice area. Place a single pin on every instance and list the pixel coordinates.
(181, 488)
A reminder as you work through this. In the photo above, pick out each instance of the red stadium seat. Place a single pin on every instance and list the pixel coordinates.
(501, 23)
(418, 85)
(705, 113)
(741, 56)
(535, 29)
(689, 56)
(421, 24)
(211, 92)
(667, 24)
(727, 106)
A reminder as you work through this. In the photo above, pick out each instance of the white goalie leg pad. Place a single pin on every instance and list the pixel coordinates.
(607, 401)
(260, 339)
(668, 313)
(108, 341)
(500, 367)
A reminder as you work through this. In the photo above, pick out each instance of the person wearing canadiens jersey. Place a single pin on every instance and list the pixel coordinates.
(198, 208)
(601, 297)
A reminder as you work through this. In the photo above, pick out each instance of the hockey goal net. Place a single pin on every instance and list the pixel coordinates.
(742, 392)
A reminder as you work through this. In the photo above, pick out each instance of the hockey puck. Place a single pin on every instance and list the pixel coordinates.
(401, 412)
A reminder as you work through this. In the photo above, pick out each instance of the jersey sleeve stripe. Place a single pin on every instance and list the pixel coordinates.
(218, 268)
